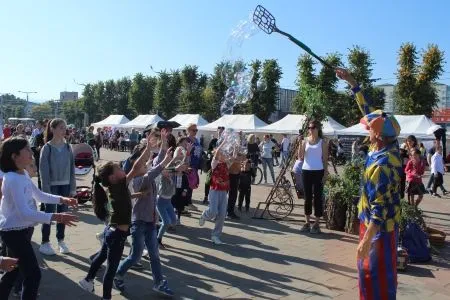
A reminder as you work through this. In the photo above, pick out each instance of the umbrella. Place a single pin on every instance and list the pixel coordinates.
(433, 129)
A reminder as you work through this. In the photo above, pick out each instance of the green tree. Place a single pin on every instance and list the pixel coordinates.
(175, 89)
(109, 102)
(99, 100)
(271, 74)
(165, 103)
(141, 93)
(254, 104)
(306, 78)
(122, 90)
(415, 92)
(190, 95)
(90, 106)
(42, 111)
(73, 112)
(218, 86)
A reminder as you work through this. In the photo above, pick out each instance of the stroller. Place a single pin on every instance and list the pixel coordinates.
(84, 162)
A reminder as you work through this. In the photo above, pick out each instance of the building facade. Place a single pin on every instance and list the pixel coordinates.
(284, 101)
(68, 96)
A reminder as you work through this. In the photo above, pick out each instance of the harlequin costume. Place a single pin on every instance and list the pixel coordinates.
(380, 204)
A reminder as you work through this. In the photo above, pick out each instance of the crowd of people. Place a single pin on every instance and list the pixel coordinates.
(148, 194)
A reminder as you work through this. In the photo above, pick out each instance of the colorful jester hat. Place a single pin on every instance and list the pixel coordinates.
(382, 123)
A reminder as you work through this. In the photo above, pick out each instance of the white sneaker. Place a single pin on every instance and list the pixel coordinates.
(47, 249)
(201, 221)
(63, 249)
(216, 241)
(88, 286)
(145, 253)
(99, 237)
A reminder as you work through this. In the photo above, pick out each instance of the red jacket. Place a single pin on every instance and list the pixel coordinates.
(413, 170)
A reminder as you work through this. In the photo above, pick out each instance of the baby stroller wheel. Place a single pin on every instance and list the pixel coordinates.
(83, 194)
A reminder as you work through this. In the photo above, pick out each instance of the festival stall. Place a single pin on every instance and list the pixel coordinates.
(141, 121)
(185, 119)
(112, 121)
(245, 123)
(291, 124)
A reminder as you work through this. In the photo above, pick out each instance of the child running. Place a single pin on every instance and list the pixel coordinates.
(19, 215)
(414, 171)
(143, 226)
(116, 180)
(218, 194)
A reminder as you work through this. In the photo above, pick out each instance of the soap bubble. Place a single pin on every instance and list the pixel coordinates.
(261, 85)
(232, 142)
(235, 73)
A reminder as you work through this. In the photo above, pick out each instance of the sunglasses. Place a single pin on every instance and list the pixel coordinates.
(312, 127)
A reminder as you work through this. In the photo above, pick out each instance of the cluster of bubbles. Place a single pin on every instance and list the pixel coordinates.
(232, 143)
(238, 79)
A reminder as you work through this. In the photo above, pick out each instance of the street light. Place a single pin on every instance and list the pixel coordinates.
(27, 93)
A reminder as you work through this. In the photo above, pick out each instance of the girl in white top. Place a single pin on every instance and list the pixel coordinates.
(266, 157)
(438, 170)
(314, 153)
(18, 214)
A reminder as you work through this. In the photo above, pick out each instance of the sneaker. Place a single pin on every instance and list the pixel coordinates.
(216, 241)
(47, 249)
(119, 284)
(99, 237)
(88, 286)
(192, 207)
(137, 266)
(163, 288)
(315, 229)
(306, 227)
(437, 195)
(202, 220)
(63, 249)
(145, 253)
(233, 216)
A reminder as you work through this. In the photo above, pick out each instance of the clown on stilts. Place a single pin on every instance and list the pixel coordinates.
(379, 204)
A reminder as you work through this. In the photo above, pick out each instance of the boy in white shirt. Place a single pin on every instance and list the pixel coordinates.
(438, 170)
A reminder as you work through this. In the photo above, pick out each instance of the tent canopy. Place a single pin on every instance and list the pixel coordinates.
(186, 119)
(142, 121)
(246, 123)
(416, 125)
(112, 120)
(291, 124)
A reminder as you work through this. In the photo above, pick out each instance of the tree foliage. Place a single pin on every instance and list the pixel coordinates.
(415, 93)
(165, 104)
(142, 93)
(271, 74)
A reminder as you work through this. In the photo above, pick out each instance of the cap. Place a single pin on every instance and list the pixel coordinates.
(384, 124)
(161, 125)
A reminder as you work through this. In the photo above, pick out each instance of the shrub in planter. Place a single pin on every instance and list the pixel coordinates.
(352, 181)
(335, 203)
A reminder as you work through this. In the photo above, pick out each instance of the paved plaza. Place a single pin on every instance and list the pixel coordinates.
(262, 259)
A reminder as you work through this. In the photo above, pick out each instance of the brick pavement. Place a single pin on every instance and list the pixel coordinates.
(262, 259)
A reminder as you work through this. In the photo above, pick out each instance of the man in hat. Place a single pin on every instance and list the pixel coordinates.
(379, 204)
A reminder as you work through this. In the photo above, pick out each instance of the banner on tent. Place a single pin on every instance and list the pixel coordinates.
(441, 116)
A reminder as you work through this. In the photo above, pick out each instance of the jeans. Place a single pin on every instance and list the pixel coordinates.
(112, 250)
(233, 193)
(166, 213)
(284, 158)
(143, 234)
(313, 186)
(268, 162)
(60, 190)
(19, 246)
(217, 210)
(19, 280)
(430, 181)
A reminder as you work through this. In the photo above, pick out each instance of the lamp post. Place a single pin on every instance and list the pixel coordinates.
(26, 106)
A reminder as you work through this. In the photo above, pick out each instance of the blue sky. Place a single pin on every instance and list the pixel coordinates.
(47, 44)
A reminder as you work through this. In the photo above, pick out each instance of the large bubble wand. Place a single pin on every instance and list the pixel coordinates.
(266, 22)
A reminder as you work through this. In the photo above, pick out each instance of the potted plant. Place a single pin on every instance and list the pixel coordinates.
(335, 203)
(352, 181)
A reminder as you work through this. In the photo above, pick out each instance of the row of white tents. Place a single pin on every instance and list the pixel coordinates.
(417, 125)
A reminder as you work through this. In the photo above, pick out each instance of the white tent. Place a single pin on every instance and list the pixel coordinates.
(112, 121)
(186, 119)
(142, 121)
(291, 124)
(247, 123)
(416, 125)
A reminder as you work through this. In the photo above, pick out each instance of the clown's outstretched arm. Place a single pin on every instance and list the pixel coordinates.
(364, 103)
